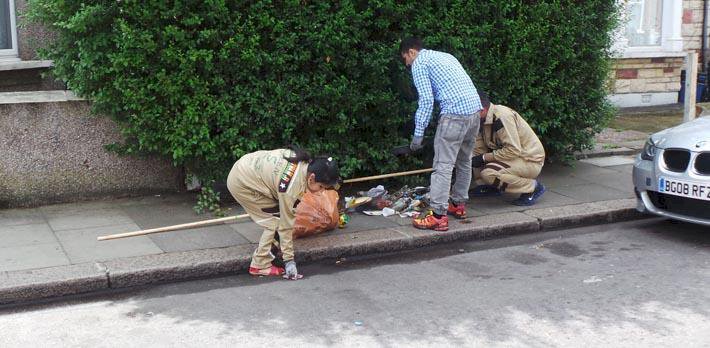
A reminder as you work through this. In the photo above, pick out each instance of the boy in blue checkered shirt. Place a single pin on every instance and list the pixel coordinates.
(439, 77)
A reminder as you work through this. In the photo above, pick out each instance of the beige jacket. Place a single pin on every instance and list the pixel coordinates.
(270, 174)
(506, 134)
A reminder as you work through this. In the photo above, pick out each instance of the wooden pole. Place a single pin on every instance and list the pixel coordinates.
(174, 227)
(691, 85)
(391, 175)
(232, 218)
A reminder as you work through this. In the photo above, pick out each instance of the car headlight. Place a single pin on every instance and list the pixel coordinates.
(649, 150)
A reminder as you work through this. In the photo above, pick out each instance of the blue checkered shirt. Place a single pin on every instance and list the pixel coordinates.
(439, 76)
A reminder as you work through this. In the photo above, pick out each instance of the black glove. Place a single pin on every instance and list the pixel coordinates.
(401, 150)
(416, 143)
(477, 161)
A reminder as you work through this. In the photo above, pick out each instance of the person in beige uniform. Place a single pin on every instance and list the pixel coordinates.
(508, 155)
(268, 182)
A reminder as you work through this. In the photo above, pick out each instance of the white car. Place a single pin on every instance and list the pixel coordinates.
(672, 173)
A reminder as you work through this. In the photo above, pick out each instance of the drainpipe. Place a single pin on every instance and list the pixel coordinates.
(705, 36)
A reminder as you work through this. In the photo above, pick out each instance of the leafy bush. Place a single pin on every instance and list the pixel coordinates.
(205, 82)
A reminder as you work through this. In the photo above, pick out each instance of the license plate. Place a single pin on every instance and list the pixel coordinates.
(684, 189)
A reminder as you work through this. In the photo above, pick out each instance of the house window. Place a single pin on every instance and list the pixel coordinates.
(644, 23)
(649, 28)
(8, 33)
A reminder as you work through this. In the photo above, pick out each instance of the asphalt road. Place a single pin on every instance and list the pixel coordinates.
(637, 284)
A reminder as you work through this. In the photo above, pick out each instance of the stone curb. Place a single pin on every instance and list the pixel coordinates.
(621, 151)
(32, 285)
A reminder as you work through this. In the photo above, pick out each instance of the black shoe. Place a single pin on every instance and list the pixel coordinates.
(527, 199)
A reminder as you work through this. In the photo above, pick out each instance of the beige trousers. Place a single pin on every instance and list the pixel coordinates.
(260, 209)
(516, 176)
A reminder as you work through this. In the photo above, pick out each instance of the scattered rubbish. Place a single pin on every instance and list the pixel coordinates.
(401, 204)
(411, 214)
(592, 279)
(382, 203)
(353, 202)
(344, 220)
(375, 192)
(357, 323)
(406, 202)
(388, 212)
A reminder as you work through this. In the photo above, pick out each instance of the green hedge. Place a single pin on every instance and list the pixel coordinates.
(207, 81)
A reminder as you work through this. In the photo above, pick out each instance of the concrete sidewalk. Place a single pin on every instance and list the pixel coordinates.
(52, 250)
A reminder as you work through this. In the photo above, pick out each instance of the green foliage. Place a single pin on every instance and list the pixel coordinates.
(209, 200)
(205, 82)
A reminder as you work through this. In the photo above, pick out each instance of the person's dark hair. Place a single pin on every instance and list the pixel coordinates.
(485, 101)
(299, 155)
(325, 168)
(411, 42)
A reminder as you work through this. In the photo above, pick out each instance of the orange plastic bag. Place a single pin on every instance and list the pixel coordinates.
(316, 213)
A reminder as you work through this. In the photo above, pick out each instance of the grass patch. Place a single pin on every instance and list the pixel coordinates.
(648, 123)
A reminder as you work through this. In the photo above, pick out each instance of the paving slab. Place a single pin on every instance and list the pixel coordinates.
(551, 179)
(179, 212)
(625, 168)
(504, 203)
(170, 213)
(249, 230)
(198, 238)
(634, 144)
(32, 256)
(26, 285)
(609, 161)
(620, 181)
(499, 204)
(585, 170)
(21, 235)
(70, 220)
(155, 200)
(14, 217)
(590, 192)
(151, 269)
(78, 207)
(81, 245)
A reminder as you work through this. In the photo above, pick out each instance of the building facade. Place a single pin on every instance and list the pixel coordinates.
(51, 145)
(650, 47)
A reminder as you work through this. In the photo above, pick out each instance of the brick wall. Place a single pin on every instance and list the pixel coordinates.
(692, 27)
(647, 75)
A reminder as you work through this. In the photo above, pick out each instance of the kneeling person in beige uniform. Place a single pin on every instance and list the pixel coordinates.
(508, 155)
(269, 182)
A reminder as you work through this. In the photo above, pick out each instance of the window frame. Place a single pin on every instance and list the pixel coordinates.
(11, 53)
(671, 44)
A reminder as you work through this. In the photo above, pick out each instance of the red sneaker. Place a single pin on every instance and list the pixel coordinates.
(431, 222)
(458, 211)
(271, 271)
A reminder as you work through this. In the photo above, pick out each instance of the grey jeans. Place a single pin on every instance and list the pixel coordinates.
(453, 148)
